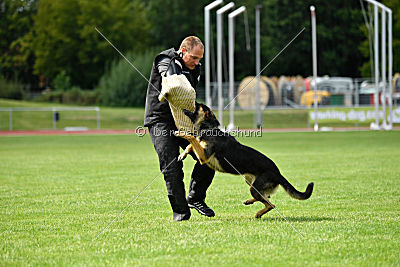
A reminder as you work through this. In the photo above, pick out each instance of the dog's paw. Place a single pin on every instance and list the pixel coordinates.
(249, 201)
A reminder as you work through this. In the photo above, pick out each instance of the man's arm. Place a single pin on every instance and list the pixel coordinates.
(168, 67)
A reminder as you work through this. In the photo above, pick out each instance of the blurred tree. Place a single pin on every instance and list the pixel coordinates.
(173, 20)
(16, 57)
(338, 36)
(395, 6)
(182, 18)
(121, 85)
(364, 46)
(63, 39)
(66, 39)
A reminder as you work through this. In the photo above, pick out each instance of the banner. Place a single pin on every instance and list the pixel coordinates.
(353, 115)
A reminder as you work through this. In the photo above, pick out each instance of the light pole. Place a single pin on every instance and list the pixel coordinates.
(231, 26)
(314, 57)
(258, 120)
(207, 47)
(220, 34)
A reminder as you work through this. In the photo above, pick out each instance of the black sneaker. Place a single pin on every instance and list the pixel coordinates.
(202, 208)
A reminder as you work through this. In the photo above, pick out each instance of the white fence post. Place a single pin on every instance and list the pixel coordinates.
(10, 120)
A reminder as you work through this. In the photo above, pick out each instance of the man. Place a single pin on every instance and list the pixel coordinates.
(159, 120)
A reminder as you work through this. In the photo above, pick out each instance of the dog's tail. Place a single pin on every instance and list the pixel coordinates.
(294, 193)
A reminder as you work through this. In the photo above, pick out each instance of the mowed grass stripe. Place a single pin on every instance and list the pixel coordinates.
(58, 192)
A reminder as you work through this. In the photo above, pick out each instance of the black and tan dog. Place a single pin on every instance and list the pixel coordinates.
(221, 152)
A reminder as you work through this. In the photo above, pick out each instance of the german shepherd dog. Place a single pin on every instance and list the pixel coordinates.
(221, 152)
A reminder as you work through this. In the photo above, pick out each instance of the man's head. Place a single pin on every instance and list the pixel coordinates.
(192, 51)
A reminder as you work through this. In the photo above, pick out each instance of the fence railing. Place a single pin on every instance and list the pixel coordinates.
(295, 92)
(54, 110)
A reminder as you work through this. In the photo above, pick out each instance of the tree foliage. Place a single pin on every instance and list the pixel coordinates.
(338, 37)
(173, 20)
(122, 85)
(48, 37)
(365, 44)
(16, 36)
(66, 39)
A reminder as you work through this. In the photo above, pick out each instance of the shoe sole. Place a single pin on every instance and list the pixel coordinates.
(200, 211)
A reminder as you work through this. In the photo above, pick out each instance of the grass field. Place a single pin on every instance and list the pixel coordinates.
(58, 192)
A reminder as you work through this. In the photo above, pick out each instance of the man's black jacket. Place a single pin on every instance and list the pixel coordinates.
(157, 111)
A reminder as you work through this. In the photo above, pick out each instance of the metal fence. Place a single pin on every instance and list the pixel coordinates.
(294, 92)
(55, 115)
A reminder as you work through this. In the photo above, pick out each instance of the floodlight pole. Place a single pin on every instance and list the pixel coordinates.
(314, 56)
(207, 47)
(389, 86)
(376, 48)
(258, 121)
(231, 26)
(383, 74)
(220, 34)
(390, 69)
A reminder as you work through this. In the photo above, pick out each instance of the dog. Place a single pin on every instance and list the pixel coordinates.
(223, 153)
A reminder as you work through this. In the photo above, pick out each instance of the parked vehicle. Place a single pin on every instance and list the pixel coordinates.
(307, 98)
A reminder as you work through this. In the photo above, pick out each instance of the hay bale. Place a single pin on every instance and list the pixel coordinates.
(247, 93)
(276, 96)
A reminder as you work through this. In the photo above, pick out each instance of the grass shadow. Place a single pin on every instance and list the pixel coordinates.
(300, 219)
(280, 219)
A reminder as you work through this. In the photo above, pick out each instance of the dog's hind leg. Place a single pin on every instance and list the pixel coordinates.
(250, 201)
(256, 192)
(268, 206)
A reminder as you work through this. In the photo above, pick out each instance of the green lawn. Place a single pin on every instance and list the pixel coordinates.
(58, 192)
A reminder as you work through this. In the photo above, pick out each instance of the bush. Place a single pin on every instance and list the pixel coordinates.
(55, 97)
(74, 96)
(90, 98)
(122, 85)
(62, 81)
(11, 89)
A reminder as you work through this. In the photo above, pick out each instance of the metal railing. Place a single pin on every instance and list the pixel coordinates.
(54, 110)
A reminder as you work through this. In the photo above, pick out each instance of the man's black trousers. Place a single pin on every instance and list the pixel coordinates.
(167, 146)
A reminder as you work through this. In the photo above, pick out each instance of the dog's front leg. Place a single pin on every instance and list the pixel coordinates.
(198, 150)
(195, 146)
(184, 154)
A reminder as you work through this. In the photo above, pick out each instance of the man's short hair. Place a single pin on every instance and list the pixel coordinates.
(190, 42)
